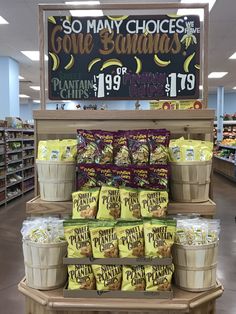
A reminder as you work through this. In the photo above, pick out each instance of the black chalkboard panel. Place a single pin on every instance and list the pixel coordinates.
(125, 57)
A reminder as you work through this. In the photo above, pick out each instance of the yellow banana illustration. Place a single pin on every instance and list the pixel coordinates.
(174, 16)
(161, 63)
(70, 63)
(68, 18)
(117, 18)
(56, 61)
(139, 65)
(111, 62)
(91, 63)
(187, 62)
(188, 39)
(197, 66)
(52, 19)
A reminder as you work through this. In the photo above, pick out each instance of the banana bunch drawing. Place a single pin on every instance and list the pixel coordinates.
(56, 62)
(188, 39)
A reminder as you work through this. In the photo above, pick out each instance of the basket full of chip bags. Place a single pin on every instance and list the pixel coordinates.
(56, 169)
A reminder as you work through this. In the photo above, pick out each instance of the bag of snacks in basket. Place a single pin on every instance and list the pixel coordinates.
(103, 239)
(159, 237)
(87, 148)
(138, 146)
(130, 238)
(158, 142)
(69, 149)
(130, 207)
(133, 278)
(153, 203)
(78, 239)
(158, 278)
(121, 151)
(85, 203)
(108, 277)
(81, 277)
(109, 203)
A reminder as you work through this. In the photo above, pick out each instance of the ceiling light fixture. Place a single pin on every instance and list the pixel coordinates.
(217, 74)
(199, 12)
(82, 2)
(35, 87)
(36, 101)
(233, 56)
(33, 55)
(3, 21)
(23, 96)
(234, 87)
(86, 12)
(21, 77)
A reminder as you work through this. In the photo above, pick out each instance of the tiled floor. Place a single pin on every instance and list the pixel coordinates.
(11, 259)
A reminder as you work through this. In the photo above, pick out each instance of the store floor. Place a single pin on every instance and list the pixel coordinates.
(11, 259)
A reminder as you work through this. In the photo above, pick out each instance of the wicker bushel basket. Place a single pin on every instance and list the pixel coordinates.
(56, 180)
(195, 266)
(190, 181)
(44, 267)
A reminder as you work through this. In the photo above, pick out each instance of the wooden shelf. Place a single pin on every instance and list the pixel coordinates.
(37, 206)
(183, 302)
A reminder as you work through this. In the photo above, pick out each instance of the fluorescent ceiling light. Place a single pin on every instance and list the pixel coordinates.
(217, 74)
(234, 87)
(24, 96)
(233, 56)
(86, 12)
(3, 21)
(35, 87)
(21, 77)
(82, 2)
(36, 101)
(200, 87)
(199, 12)
(32, 55)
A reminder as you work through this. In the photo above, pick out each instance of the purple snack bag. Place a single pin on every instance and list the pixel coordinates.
(87, 149)
(138, 147)
(121, 149)
(158, 176)
(158, 143)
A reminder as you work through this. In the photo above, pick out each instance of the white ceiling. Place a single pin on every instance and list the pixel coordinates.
(22, 34)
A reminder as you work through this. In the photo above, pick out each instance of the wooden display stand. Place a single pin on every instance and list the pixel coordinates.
(195, 124)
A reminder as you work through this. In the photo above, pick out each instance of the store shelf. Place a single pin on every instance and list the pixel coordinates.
(225, 159)
(37, 206)
(2, 164)
(14, 161)
(14, 140)
(225, 168)
(28, 189)
(27, 178)
(2, 189)
(13, 151)
(30, 147)
(2, 177)
(229, 122)
(2, 202)
(12, 130)
(28, 139)
(27, 157)
(12, 197)
(2, 142)
(13, 183)
(28, 130)
(15, 171)
(28, 167)
(230, 147)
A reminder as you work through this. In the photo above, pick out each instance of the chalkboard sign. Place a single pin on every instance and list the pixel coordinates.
(125, 57)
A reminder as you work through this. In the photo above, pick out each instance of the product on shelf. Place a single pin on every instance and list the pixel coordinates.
(138, 146)
(133, 278)
(108, 277)
(130, 207)
(228, 142)
(103, 239)
(153, 203)
(81, 277)
(158, 278)
(56, 150)
(87, 176)
(121, 150)
(190, 150)
(158, 142)
(43, 230)
(109, 203)
(85, 203)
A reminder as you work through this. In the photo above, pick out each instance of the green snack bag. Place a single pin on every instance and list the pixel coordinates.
(130, 207)
(158, 278)
(133, 278)
(153, 203)
(109, 203)
(159, 237)
(85, 203)
(80, 277)
(130, 239)
(103, 239)
(77, 236)
(108, 277)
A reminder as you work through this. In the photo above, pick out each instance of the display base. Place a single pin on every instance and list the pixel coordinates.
(53, 302)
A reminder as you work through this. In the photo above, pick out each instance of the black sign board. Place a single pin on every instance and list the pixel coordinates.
(125, 57)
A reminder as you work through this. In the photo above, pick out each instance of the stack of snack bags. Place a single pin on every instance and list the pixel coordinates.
(57, 150)
(124, 239)
(190, 150)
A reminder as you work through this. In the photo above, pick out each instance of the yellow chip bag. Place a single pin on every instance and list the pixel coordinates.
(81, 277)
(158, 278)
(42, 150)
(130, 207)
(153, 203)
(159, 237)
(130, 239)
(108, 277)
(77, 236)
(69, 149)
(109, 203)
(103, 239)
(85, 203)
(133, 278)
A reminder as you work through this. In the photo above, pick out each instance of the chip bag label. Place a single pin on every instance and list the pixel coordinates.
(130, 207)
(85, 203)
(108, 277)
(153, 203)
(130, 239)
(81, 277)
(104, 239)
(77, 237)
(109, 203)
(133, 278)
(158, 278)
